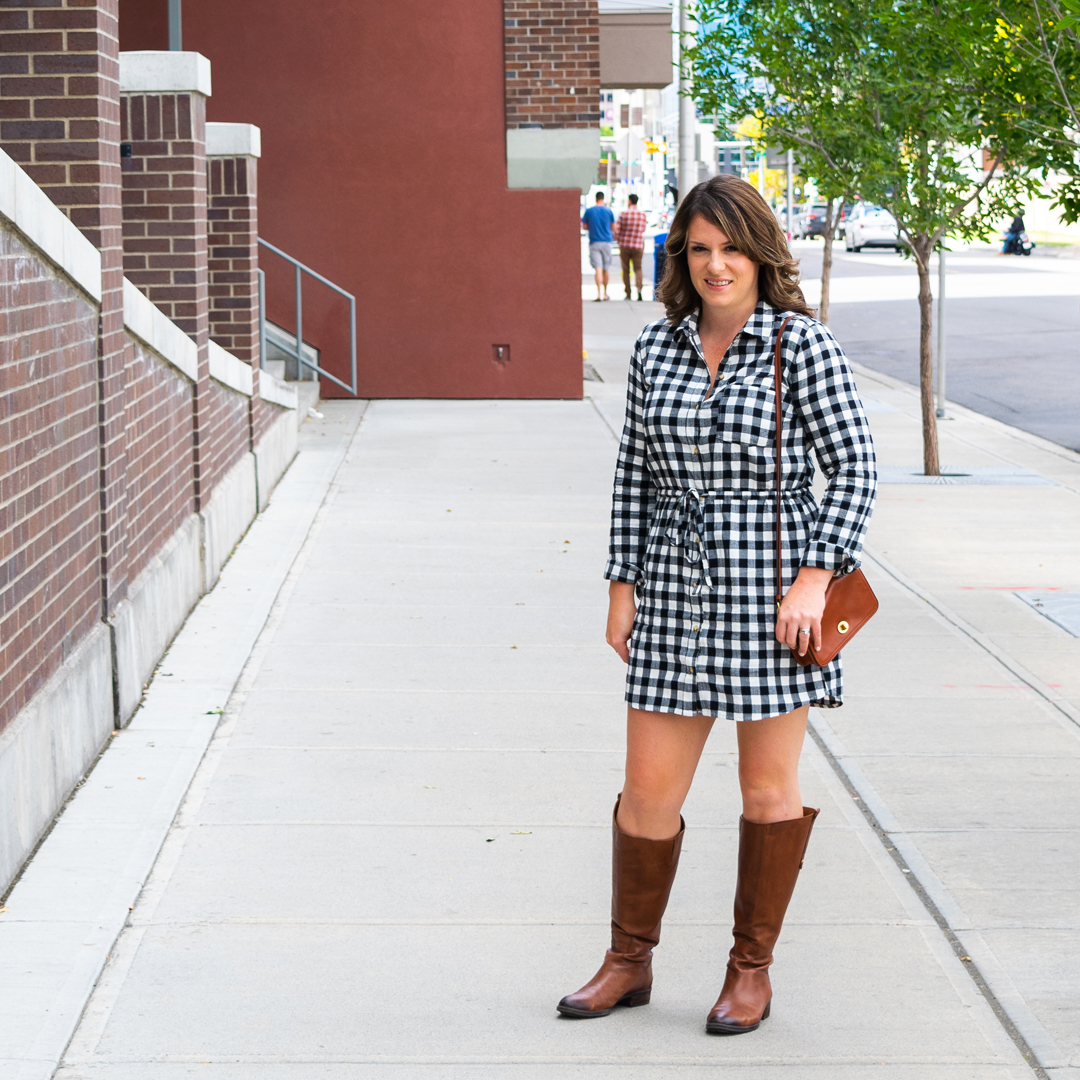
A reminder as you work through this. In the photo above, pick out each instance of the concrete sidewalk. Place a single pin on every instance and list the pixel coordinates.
(394, 858)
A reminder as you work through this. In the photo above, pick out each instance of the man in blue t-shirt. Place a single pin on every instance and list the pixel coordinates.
(598, 220)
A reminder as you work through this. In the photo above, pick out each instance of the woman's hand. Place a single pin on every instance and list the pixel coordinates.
(802, 607)
(622, 609)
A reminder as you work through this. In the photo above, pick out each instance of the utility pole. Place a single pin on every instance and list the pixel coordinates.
(941, 330)
(762, 159)
(790, 192)
(687, 111)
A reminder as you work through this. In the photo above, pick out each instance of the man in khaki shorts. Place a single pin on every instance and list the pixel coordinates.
(598, 220)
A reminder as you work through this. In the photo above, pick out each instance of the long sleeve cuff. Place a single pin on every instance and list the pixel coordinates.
(830, 557)
(621, 571)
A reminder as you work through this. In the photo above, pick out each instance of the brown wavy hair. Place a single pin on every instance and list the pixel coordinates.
(736, 208)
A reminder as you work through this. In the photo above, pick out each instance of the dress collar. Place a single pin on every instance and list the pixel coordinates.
(761, 324)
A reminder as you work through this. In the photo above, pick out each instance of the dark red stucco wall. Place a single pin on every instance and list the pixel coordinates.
(383, 167)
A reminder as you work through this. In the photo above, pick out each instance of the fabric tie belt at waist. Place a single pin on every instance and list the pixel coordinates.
(686, 524)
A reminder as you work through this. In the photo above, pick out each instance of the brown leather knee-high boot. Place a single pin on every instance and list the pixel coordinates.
(770, 857)
(641, 875)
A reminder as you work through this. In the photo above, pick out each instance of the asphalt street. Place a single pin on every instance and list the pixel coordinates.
(1016, 359)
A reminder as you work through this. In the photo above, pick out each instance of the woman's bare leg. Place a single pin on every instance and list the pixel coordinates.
(662, 752)
(769, 766)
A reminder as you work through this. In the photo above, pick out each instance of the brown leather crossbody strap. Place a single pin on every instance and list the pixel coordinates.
(779, 432)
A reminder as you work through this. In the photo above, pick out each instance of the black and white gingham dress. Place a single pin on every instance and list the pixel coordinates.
(693, 513)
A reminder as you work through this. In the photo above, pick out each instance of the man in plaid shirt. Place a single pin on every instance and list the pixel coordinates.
(630, 236)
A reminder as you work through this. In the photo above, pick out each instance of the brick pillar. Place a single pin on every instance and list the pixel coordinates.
(232, 151)
(552, 62)
(163, 162)
(60, 119)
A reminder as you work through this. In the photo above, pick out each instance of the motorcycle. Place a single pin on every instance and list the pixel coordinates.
(1017, 244)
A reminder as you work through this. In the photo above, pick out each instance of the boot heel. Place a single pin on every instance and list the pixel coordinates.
(640, 998)
(768, 1009)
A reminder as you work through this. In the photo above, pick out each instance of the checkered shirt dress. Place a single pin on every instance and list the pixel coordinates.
(693, 514)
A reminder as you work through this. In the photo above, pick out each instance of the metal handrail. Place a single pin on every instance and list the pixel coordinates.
(299, 270)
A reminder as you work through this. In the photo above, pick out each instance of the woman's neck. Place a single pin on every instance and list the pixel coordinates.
(724, 323)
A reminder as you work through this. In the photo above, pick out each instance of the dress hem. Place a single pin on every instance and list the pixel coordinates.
(818, 703)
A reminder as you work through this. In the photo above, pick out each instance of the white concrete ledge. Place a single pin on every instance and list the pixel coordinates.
(48, 745)
(50, 230)
(552, 157)
(152, 327)
(229, 371)
(274, 453)
(276, 391)
(233, 140)
(164, 73)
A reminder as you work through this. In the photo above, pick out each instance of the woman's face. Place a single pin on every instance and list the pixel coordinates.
(726, 280)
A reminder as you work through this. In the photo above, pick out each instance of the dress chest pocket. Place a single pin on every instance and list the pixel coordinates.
(746, 413)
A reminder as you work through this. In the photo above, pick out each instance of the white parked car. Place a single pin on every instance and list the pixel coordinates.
(871, 226)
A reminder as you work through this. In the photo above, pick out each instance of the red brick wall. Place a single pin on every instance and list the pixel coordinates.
(159, 453)
(263, 416)
(59, 118)
(165, 250)
(552, 55)
(50, 588)
(229, 436)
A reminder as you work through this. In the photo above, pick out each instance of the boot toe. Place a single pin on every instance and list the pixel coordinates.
(721, 1021)
(578, 1008)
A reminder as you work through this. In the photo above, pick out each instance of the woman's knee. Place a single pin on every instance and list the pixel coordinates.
(770, 800)
(651, 791)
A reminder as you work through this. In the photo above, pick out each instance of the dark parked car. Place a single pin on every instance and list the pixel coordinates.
(811, 221)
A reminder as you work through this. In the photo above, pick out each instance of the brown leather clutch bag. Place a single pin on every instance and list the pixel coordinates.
(849, 600)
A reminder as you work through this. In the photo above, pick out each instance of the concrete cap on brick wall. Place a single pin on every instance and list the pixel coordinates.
(164, 73)
(233, 140)
(47, 227)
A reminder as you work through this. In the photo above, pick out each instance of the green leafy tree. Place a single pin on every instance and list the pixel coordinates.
(1028, 72)
(937, 164)
(887, 98)
(772, 61)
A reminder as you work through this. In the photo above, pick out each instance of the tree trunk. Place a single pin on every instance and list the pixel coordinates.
(921, 250)
(826, 261)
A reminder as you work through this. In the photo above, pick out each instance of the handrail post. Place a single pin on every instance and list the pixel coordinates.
(299, 327)
(352, 342)
(262, 319)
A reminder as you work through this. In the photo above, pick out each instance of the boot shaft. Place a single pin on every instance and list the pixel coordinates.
(770, 857)
(642, 873)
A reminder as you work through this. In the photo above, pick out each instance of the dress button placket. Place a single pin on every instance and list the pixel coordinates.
(700, 423)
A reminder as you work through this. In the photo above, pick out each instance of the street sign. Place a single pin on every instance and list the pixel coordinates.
(775, 158)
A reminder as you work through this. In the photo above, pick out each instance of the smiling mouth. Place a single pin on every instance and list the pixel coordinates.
(717, 283)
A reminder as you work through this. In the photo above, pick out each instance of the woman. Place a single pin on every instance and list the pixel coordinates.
(693, 573)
